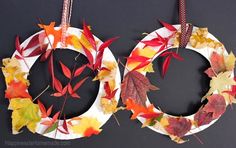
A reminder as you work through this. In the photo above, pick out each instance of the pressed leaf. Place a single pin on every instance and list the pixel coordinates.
(178, 126)
(33, 42)
(202, 117)
(135, 86)
(216, 105)
(89, 35)
(78, 85)
(51, 128)
(168, 26)
(66, 71)
(79, 70)
(17, 90)
(107, 43)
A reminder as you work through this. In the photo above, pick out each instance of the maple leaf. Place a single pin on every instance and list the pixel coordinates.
(50, 30)
(87, 127)
(135, 86)
(178, 126)
(202, 117)
(25, 113)
(17, 90)
(220, 83)
(107, 72)
(108, 106)
(220, 63)
(139, 110)
(215, 105)
(12, 71)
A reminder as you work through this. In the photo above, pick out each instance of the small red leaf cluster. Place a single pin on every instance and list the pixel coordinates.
(68, 89)
(95, 62)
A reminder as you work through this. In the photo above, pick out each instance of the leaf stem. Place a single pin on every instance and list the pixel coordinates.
(117, 121)
(41, 93)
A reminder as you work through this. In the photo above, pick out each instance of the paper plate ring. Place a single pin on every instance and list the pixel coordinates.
(205, 52)
(95, 110)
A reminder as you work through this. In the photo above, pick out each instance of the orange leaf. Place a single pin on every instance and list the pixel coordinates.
(138, 109)
(17, 90)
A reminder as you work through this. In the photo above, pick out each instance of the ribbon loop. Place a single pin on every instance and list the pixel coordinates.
(65, 20)
(185, 31)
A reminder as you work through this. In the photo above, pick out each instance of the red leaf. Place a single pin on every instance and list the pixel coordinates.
(141, 65)
(178, 126)
(17, 90)
(177, 56)
(18, 57)
(57, 94)
(153, 42)
(58, 85)
(107, 43)
(137, 58)
(135, 86)
(166, 65)
(55, 117)
(75, 95)
(49, 111)
(17, 45)
(88, 54)
(109, 93)
(38, 51)
(42, 109)
(216, 105)
(45, 56)
(78, 85)
(151, 115)
(168, 26)
(79, 70)
(65, 127)
(202, 117)
(66, 71)
(33, 42)
(89, 35)
(70, 90)
(64, 90)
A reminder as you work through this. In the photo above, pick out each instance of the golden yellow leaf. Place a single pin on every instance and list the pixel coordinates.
(230, 61)
(107, 74)
(25, 113)
(87, 127)
(12, 71)
(108, 106)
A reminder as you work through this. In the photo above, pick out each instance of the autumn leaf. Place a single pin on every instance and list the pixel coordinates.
(140, 60)
(107, 72)
(168, 26)
(79, 70)
(135, 86)
(89, 36)
(215, 105)
(87, 127)
(139, 110)
(50, 30)
(220, 83)
(202, 117)
(17, 90)
(66, 71)
(12, 71)
(25, 113)
(44, 113)
(169, 55)
(178, 126)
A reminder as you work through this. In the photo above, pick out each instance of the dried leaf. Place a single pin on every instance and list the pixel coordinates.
(17, 90)
(66, 70)
(135, 86)
(168, 26)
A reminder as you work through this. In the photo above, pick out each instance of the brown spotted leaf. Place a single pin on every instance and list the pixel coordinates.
(135, 86)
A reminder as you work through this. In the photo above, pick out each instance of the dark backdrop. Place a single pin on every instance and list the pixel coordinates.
(180, 92)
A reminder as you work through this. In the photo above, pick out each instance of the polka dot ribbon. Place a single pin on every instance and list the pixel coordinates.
(186, 29)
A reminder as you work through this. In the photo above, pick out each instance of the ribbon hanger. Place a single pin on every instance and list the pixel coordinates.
(185, 31)
(65, 20)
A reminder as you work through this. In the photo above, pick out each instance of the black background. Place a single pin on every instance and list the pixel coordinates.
(180, 92)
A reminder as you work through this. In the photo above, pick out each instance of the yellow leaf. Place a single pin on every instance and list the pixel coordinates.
(25, 113)
(230, 61)
(149, 68)
(221, 83)
(108, 106)
(107, 74)
(87, 127)
(12, 71)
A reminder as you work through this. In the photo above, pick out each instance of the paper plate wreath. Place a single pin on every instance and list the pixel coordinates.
(30, 112)
(157, 44)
